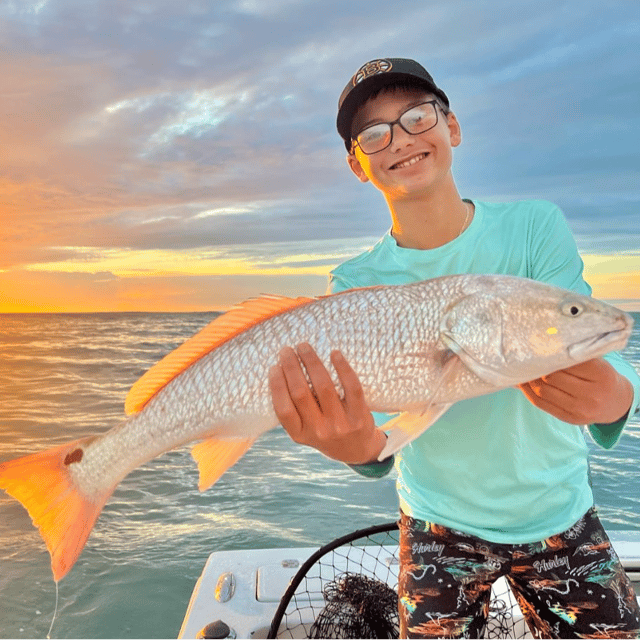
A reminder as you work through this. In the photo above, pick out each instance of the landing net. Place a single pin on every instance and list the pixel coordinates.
(348, 589)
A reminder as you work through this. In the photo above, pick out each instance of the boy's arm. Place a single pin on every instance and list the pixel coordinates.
(340, 428)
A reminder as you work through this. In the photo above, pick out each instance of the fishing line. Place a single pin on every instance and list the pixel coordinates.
(55, 611)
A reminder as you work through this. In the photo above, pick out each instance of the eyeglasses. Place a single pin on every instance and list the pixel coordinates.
(416, 120)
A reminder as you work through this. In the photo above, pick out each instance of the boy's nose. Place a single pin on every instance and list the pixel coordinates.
(399, 137)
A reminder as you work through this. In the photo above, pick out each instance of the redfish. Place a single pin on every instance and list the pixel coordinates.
(417, 349)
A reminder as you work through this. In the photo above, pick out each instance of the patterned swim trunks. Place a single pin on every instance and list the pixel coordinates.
(571, 585)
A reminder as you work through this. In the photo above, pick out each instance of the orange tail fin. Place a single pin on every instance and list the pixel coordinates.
(44, 486)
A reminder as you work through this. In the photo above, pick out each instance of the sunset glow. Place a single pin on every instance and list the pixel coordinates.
(210, 171)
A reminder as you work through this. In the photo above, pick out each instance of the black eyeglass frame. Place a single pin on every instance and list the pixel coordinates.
(435, 103)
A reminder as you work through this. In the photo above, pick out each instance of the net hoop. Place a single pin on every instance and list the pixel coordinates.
(312, 559)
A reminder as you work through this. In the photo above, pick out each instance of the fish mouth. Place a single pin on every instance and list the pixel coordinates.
(602, 343)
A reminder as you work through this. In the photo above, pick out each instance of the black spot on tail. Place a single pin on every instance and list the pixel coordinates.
(74, 456)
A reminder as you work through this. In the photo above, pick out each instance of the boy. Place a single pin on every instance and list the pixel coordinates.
(499, 485)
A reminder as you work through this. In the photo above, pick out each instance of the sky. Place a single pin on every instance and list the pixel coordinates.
(182, 156)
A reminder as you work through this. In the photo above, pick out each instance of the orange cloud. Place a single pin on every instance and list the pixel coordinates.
(615, 286)
(116, 280)
(614, 277)
(33, 291)
(64, 169)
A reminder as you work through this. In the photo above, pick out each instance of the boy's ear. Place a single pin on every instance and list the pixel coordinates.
(356, 167)
(455, 132)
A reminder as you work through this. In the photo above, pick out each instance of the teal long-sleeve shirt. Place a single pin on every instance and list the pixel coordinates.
(495, 466)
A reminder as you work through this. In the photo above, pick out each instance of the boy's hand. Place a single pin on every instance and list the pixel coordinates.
(592, 392)
(340, 428)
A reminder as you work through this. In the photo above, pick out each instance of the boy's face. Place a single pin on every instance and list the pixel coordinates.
(412, 164)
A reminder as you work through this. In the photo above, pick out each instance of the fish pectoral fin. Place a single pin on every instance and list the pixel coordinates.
(214, 456)
(406, 427)
(410, 424)
(472, 316)
(486, 373)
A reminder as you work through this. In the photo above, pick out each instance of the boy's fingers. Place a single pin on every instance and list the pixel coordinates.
(323, 387)
(300, 394)
(316, 416)
(283, 406)
(353, 392)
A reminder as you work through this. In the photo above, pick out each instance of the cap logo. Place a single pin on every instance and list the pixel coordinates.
(371, 69)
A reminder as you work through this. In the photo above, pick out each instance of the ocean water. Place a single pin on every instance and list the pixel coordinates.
(66, 376)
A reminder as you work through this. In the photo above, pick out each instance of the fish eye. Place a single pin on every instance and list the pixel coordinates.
(572, 309)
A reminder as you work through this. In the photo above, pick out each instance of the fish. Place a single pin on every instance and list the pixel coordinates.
(417, 349)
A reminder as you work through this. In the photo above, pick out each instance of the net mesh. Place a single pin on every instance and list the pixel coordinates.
(348, 589)
(357, 607)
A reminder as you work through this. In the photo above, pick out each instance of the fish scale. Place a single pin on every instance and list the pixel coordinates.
(416, 349)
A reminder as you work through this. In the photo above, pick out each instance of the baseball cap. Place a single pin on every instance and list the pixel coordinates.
(373, 75)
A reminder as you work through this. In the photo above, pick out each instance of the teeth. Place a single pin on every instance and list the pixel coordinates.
(408, 163)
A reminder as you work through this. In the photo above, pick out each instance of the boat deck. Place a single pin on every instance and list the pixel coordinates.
(243, 588)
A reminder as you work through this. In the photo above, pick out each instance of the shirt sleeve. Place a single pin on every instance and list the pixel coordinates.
(553, 258)
(337, 282)
(607, 435)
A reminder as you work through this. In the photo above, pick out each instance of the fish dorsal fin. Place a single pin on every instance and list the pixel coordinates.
(223, 328)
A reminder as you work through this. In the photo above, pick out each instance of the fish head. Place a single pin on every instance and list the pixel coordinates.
(601, 328)
(551, 329)
(520, 330)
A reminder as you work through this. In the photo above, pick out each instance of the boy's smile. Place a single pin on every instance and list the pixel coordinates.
(410, 162)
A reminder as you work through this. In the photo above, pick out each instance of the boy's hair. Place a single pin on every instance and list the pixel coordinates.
(377, 74)
(403, 84)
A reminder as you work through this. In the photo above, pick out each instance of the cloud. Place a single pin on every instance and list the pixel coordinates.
(201, 127)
